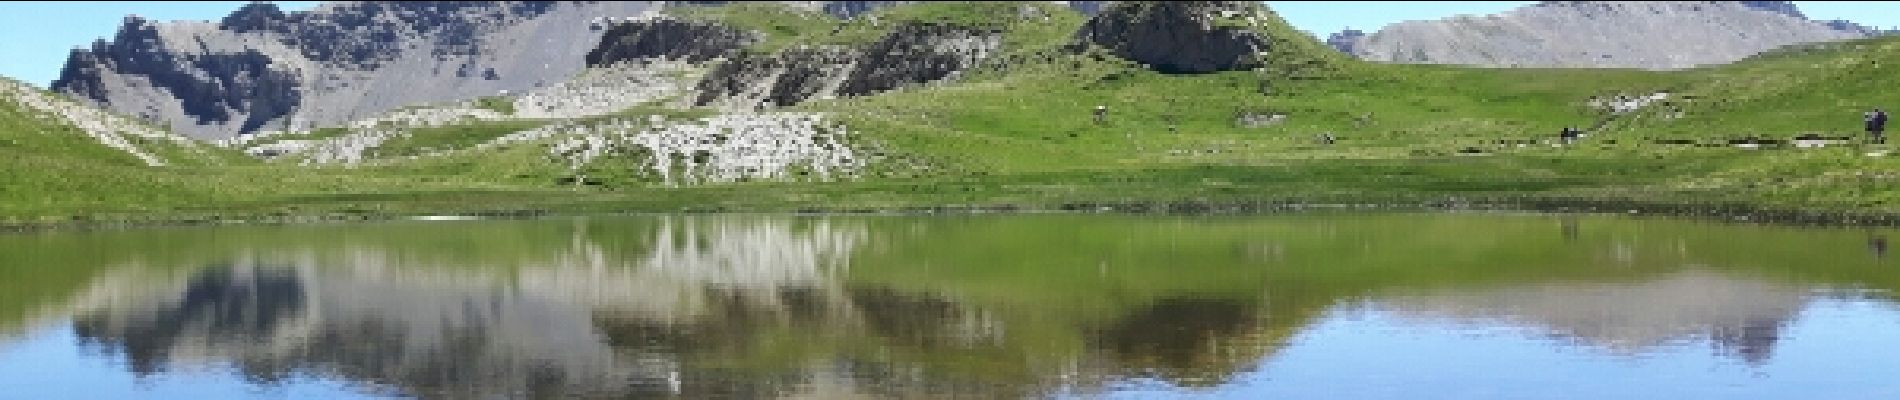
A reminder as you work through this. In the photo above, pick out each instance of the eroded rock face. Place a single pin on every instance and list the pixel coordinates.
(254, 17)
(914, 54)
(239, 87)
(667, 39)
(785, 78)
(1616, 34)
(909, 55)
(263, 69)
(1178, 37)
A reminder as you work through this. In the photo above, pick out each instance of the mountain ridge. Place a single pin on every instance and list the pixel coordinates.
(331, 64)
(1612, 34)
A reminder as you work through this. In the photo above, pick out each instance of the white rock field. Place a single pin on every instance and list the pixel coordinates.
(724, 148)
(600, 91)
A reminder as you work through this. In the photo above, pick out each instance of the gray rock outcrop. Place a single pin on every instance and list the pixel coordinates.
(238, 88)
(261, 68)
(910, 54)
(755, 80)
(1616, 34)
(670, 39)
(1179, 37)
(918, 53)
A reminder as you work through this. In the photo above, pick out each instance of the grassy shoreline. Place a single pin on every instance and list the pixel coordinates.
(1718, 211)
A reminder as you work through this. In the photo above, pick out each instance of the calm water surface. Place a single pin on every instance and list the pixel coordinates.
(1027, 306)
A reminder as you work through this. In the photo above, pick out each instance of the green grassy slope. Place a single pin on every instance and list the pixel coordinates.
(1819, 89)
(1400, 127)
(1812, 88)
(1017, 131)
(51, 165)
(781, 26)
(54, 172)
(1408, 129)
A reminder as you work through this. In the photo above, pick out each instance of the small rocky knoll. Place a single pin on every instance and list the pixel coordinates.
(1180, 37)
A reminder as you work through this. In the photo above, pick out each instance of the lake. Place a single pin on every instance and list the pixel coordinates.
(1324, 305)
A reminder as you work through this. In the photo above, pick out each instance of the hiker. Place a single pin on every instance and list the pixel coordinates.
(1569, 227)
(1101, 114)
(1572, 134)
(1877, 126)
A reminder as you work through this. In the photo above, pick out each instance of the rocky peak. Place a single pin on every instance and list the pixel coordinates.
(134, 33)
(357, 34)
(256, 16)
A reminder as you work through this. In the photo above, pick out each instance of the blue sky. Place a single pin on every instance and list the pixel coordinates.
(36, 36)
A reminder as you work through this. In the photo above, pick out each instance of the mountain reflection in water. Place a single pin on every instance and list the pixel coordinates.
(582, 323)
(1004, 307)
(1740, 317)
